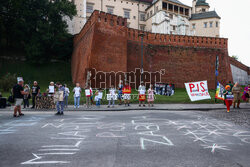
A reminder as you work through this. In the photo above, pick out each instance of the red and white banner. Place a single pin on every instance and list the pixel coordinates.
(197, 90)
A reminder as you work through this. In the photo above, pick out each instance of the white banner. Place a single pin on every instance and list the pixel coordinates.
(110, 97)
(197, 90)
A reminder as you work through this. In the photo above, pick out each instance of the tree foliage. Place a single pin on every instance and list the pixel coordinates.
(38, 27)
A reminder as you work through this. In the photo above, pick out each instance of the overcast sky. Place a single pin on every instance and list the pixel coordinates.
(235, 25)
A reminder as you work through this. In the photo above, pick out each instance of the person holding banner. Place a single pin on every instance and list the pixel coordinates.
(88, 95)
(236, 92)
(151, 95)
(112, 96)
(126, 93)
(142, 94)
(228, 97)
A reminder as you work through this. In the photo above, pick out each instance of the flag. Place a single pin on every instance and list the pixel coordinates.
(219, 91)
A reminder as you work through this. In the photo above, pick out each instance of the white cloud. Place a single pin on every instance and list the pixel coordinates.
(235, 25)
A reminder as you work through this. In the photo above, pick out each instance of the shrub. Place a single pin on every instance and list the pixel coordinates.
(8, 81)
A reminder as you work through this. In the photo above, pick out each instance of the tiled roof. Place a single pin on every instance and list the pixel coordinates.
(205, 15)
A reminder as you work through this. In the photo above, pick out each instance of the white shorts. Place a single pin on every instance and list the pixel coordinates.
(18, 101)
(126, 96)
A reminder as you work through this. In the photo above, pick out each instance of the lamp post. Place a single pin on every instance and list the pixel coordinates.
(141, 35)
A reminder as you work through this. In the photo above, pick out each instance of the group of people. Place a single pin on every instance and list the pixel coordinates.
(232, 95)
(122, 94)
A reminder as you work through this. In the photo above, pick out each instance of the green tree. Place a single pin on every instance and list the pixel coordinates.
(36, 26)
(235, 57)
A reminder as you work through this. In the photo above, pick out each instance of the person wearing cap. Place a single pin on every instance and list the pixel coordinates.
(142, 94)
(228, 97)
(126, 93)
(18, 93)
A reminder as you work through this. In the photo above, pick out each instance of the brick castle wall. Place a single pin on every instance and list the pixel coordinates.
(106, 44)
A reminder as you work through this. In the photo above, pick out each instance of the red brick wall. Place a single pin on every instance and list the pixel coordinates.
(105, 43)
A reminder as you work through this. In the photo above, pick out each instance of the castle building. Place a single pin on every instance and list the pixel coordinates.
(157, 16)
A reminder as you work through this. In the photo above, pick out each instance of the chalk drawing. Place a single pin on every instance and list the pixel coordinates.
(59, 149)
(76, 134)
(143, 140)
(108, 135)
(66, 146)
(216, 146)
(39, 157)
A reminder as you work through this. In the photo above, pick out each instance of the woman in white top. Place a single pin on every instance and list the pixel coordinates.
(77, 94)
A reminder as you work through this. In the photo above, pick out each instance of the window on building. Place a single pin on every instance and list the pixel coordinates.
(174, 28)
(142, 17)
(164, 5)
(217, 24)
(110, 9)
(147, 15)
(193, 25)
(203, 10)
(170, 7)
(157, 8)
(205, 25)
(127, 14)
(134, 17)
(142, 27)
(211, 24)
(90, 7)
(151, 13)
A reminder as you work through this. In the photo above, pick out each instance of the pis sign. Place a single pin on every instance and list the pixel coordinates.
(197, 90)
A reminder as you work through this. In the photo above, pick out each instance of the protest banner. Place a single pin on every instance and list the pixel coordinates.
(197, 90)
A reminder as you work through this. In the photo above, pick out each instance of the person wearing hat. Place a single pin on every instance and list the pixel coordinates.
(142, 94)
(228, 97)
(18, 93)
(126, 93)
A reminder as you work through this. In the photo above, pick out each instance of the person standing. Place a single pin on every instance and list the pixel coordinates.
(142, 94)
(151, 96)
(88, 93)
(26, 97)
(246, 94)
(35, 92)
(60, 99)
(228, 97)
(51, 89)
(18, 93)
(112, 92)
(77, 95)
(126, 93)
(67, 92)
(236, 92)
(120, 87)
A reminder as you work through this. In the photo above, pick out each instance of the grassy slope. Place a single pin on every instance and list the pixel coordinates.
(61, 72)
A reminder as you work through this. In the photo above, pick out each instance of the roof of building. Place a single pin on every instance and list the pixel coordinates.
(201, 3)
(178, 2)
(204, 15)
(147, 1)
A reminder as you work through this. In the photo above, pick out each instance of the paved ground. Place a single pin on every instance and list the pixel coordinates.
(126, 139)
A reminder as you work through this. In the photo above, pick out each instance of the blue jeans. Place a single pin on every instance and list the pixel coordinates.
(77, 101)
(60, 106)
(113, 102)
(66, 101)
(98, 102)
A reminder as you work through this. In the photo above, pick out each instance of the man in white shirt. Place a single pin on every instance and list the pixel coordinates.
(142, 94)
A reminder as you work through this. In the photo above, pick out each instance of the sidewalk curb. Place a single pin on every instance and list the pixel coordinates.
(123, 109)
